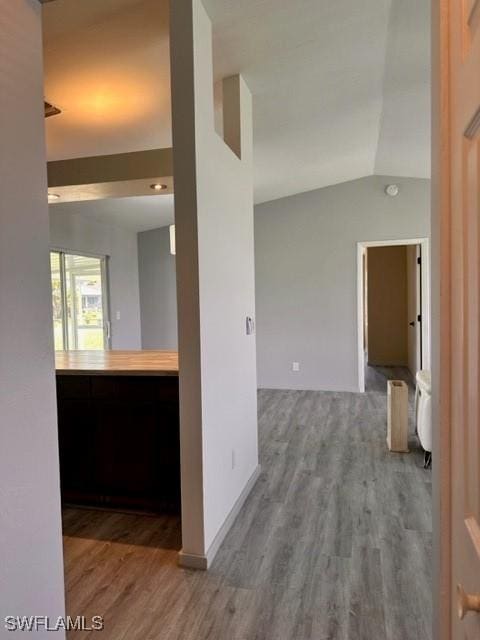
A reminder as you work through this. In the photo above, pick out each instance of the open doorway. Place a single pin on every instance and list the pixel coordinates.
(110, 195)
(393, 310)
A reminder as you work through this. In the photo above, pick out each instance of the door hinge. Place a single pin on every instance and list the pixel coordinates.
(419, 318)
(419, 260)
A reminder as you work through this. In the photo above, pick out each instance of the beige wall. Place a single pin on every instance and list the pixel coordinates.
(387, 306)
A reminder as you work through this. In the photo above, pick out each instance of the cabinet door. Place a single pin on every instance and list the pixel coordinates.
(168, 461)
(76, 429)
(136, 442)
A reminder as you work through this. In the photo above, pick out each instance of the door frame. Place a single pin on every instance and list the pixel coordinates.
(441, 292)
(426, 320)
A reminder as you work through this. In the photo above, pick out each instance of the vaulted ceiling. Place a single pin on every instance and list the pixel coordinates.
(340, 87)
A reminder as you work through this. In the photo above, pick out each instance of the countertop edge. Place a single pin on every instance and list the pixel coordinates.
(116, 372)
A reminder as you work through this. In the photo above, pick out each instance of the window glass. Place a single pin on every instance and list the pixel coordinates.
(78, 301)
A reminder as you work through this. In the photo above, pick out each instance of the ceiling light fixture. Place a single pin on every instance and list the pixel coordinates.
(50, 109)
(53, 196)
(392, 190)
(158, 187)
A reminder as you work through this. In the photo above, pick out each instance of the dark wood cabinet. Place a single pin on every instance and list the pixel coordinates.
(119, 441)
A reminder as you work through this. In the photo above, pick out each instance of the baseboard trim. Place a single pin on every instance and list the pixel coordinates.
(203, 562)
(192, 561)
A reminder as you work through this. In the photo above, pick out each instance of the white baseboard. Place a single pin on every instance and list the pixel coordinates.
(194, 561)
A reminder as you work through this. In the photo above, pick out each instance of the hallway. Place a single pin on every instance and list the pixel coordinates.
(334, 542)
(376, 378)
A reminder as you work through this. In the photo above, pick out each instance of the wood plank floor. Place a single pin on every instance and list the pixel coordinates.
(376, 377)
(334, 542)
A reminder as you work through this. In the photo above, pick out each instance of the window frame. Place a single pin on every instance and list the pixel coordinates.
(104, 271)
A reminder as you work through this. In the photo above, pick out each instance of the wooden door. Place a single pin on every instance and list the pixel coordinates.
(460, 355)
(387, 305)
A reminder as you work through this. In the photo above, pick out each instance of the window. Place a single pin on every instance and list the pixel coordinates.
(79, 302)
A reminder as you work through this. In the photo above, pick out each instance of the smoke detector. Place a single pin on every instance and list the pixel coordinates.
(392, 190)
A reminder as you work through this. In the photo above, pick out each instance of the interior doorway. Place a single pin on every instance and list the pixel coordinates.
(393, 307)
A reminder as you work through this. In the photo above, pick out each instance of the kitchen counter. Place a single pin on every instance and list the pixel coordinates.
(117, 363)
(118, 427)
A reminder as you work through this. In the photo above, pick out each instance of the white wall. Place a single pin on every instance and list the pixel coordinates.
(71, 231)
(306, 275)
(31, 573)
(215, 272)
(158, 290)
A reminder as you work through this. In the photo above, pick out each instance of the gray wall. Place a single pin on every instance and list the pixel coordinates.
(74, 232)
(306, 275)
(31, 581)
(158, 290)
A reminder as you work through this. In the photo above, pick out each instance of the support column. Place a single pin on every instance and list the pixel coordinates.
(216, 291)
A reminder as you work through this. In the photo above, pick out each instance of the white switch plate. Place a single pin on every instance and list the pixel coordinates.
(117, 315)
(295, 366)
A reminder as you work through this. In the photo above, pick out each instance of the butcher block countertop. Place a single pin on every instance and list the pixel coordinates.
(117, 363)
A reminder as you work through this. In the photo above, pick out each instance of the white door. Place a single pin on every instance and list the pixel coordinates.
(414, 306)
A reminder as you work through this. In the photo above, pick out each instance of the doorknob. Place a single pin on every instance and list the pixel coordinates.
(467, 602)
(412, 324)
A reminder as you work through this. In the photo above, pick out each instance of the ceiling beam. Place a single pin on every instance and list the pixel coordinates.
(135, 165)
(113, 176)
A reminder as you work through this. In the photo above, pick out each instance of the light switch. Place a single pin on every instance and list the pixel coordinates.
(117, 315)
(250, 325)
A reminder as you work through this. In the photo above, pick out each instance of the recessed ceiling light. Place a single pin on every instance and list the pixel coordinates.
(158, 187)
(53, 196)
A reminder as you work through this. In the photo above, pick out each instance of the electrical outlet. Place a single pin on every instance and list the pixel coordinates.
(295, 366)
(233, 458)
